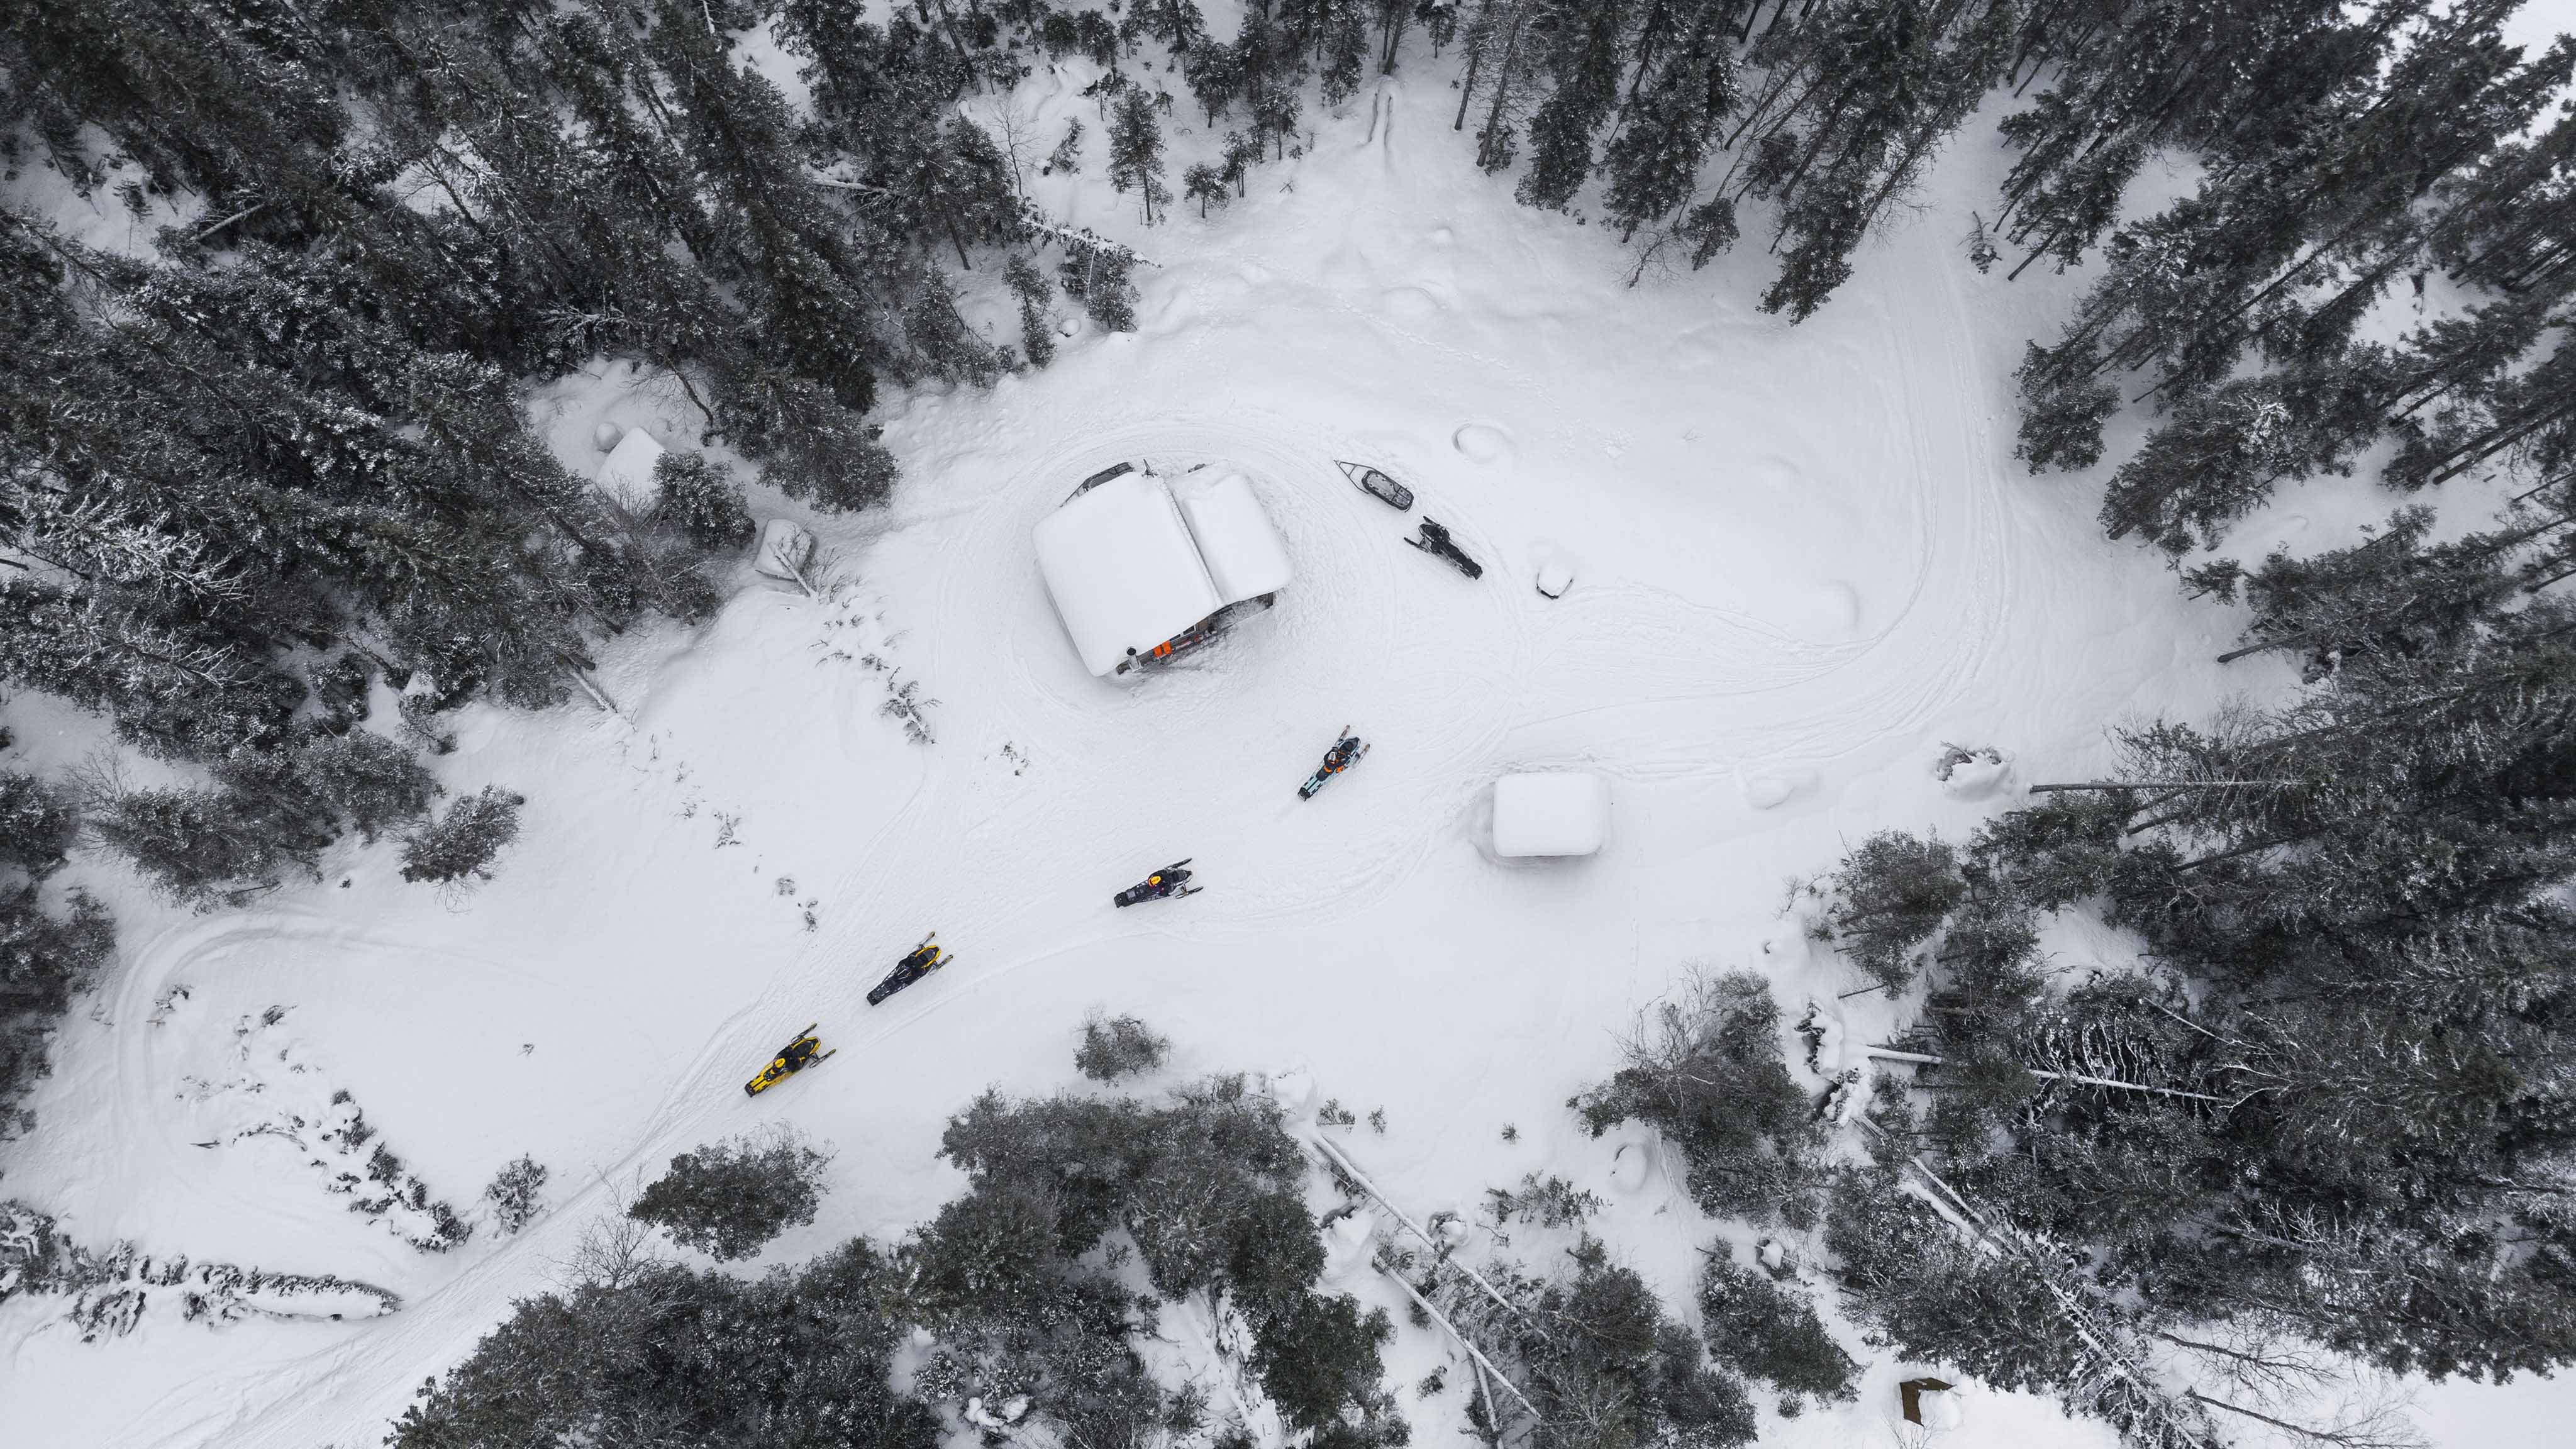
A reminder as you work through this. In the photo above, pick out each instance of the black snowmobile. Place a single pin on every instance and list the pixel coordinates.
(792, 1058)
(1377, 485)
(1435, 541)
(1345, 753)
(1169, 883)
(925, 958)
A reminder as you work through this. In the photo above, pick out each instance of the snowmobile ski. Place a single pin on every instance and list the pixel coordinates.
(1437, 542)
(924, 959)
(1377, 485)
(1162, 885)
(789, 1061)
(1346, 752)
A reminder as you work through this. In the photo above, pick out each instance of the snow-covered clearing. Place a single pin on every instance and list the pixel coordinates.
(1804, 563)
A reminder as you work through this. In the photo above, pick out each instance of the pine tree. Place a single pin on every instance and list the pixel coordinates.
(1037, 337)
(728, 1199)
(1683, 89)
(1136, 149)
(1583, 55)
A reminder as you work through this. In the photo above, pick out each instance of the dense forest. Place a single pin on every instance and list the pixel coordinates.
(276, 459)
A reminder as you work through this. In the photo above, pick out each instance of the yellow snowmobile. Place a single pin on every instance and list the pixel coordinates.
(792, 1058)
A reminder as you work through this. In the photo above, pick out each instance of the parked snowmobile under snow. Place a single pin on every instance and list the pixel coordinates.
(792, 1058)
(1435, 541)
(925, 958)
(1377, 485)
(1169, 883)
(1345, 753)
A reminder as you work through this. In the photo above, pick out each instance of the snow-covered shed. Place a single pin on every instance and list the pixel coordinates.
(1558, 812)
(1138, 565)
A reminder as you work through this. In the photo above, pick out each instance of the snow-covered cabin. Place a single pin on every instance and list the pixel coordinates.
(1140, 566)
(1559, 812)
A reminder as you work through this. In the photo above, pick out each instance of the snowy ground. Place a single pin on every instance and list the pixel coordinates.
(1803, 562)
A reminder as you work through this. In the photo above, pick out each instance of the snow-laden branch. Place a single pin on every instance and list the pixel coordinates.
(1891, 1054)
(1077, 238)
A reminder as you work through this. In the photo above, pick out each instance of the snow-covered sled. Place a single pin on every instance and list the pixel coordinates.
(1377, 485)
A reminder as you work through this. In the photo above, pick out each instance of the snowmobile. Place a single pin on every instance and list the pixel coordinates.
(792, 1058)
(1345, 753)
(1435, 541)
(925, 958)
(1377, 485)
(1169, 883)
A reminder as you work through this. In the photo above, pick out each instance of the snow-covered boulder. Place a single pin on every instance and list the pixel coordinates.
(785, 547)
(1558, 813)
(626, 474)
(605, 437)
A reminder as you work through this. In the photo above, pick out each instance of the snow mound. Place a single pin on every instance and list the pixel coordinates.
(1629, 1169)
(1482, 443)
(1972, 774)
(1558, 813)
(605, 437)
(1555, 568)
(1769, 792)
(784, 549)
(626, 474)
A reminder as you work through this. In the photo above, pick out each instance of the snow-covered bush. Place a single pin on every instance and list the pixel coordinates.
(1894, 890)
(791, 1358)
(697, 497)
(268, 813)
(727, 1199)
(1209, 1187)
(1118, 1046)
(1549, 1202)
(1103, 279)
(1320, 1354)
(45, 956)
(1761, 1329)
(513, 1194)
(1936, 1297)
(463, 841)
(1706, 1070)
(1601, 1363)
(38, 823)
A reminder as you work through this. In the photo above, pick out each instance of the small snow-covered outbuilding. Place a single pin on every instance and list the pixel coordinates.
(1559, 812)
(1141, 566)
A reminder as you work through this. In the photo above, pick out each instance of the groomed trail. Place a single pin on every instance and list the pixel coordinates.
(1804, 562)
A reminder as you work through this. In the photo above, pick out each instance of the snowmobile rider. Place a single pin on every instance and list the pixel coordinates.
(800, 1053)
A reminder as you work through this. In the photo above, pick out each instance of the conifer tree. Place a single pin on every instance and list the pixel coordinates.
(1136, 149)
